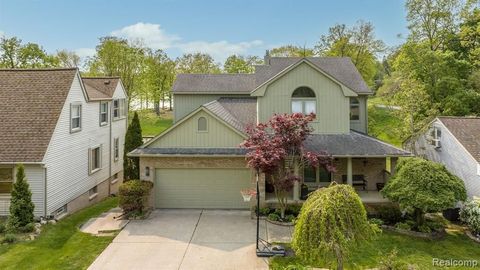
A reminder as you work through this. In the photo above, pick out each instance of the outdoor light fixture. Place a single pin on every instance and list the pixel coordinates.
(147, 171)
(263, 247)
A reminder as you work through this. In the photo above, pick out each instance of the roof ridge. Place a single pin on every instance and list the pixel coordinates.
(459, 117)
(378, 140)
(37, 69)
(102, 77)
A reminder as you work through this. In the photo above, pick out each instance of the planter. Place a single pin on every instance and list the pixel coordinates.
(452, 214)
(435, 235)
(280, 223)
(472, 236)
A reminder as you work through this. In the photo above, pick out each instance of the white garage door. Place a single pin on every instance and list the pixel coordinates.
(201, 188)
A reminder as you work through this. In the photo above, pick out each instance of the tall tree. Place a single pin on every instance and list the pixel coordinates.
(357, 42)
(133, 139)
(14, 54)
(291, 51)
(68, 59)
(119, 57)
(21, 205)
(241, 64)
(197, 63)
(432, 20)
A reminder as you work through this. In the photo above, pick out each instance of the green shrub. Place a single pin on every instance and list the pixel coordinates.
(435, 225)
(293, 209)
(27, 228)
(9, 238)
(331, 224)
(133, 196)
(289, 218)
(2, 228)
(21, 205)
(376, 221)
(403, 226)
(390, 214)
(470, 214)
(424, 228)
(264, 211)
(274, 217)
(392, 262)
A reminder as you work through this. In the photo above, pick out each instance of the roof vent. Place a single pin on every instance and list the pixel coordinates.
(107, 82)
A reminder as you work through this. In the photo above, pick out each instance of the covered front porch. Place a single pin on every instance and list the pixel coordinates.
(367, 175)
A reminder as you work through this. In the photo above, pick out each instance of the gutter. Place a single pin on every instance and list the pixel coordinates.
(181, 155)
(19, 162)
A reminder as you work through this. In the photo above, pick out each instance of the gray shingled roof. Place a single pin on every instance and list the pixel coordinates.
(467, 132)
(31, 101)
(100, 87)
(341, 68)
(214, 83)
(238, 112)
(352, 144)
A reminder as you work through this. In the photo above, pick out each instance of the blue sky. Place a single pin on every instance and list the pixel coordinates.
(220, 28)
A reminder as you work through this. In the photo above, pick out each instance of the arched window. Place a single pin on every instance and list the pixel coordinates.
(354, 109)
(202, 124)
(304, 101)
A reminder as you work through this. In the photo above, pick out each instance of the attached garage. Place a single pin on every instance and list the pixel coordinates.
(217, 188)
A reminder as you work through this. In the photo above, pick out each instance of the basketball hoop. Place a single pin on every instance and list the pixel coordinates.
(247, 194)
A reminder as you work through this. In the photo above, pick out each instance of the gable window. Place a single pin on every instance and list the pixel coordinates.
(119, 108)
(95, 159)
(103, 113)
(202, 124)
(354, 109)
(6, 180)
(75, 117)
(116, 149)
(304, 101)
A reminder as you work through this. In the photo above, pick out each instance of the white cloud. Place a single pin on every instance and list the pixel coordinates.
(219, 50)
(85, 52)
(151, 34)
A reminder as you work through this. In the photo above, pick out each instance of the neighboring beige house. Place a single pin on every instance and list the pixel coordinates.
(197, 163)
(68, 131)
(454, 142)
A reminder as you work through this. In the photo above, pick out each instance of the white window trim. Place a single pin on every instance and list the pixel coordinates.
(13, 179)
(116, 149)
(206, 125)
(303, 100)
(122, 109)
(478, 169)
(77, 129)
(90, 159)
(100, 114)
(114, 180)
(91, 197)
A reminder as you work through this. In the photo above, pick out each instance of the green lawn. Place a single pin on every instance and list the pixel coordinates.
(60, 246)
(384, 124)
(411, 250)
(152, 124)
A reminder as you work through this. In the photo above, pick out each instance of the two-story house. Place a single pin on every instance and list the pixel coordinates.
(197, 163)
(454, 142)
(67, 131)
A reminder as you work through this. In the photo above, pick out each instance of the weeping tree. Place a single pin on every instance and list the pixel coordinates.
(133, 139)
(331, 223)
(276, 149)
(21, 205)
(422, 186)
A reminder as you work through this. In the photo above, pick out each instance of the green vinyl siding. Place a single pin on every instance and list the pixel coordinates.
(361, 124)
(186, 134)
(187, 103)
(201, 188)
(333, 109)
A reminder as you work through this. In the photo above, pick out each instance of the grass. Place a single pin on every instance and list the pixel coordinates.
(60, 246)
(152, 124)
(384, 124)
(412, 251)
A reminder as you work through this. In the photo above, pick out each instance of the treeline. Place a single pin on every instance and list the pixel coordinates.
(435, 71)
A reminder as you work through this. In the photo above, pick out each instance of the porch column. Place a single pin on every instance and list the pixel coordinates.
(296, 190)
(349, 171)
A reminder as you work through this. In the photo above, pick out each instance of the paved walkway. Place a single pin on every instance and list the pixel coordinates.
(190, 239)
(105, 224)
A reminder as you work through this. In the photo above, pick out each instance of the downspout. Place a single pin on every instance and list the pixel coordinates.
(110, 147)
(45, 192)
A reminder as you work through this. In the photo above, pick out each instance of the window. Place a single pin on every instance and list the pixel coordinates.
(202, 124)
(103, 113)
(114, 179)
(95, 159)
(309, 175)
(119, 108)
(93, 192)
(314, 178)
(76, 117)
(60, 211)
(116, 149)
(304, 101)
(6, 180)
(354, 109)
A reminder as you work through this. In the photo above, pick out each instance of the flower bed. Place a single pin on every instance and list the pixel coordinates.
(434, 235)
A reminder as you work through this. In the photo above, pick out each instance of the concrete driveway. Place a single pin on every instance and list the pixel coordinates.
(189, 239)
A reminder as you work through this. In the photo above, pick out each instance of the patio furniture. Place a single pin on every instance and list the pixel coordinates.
(380, 186)
(358, 180)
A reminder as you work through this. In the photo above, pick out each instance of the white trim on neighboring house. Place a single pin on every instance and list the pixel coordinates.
(246, 93)
(463, 147)
(185, 118)
(347, 91)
